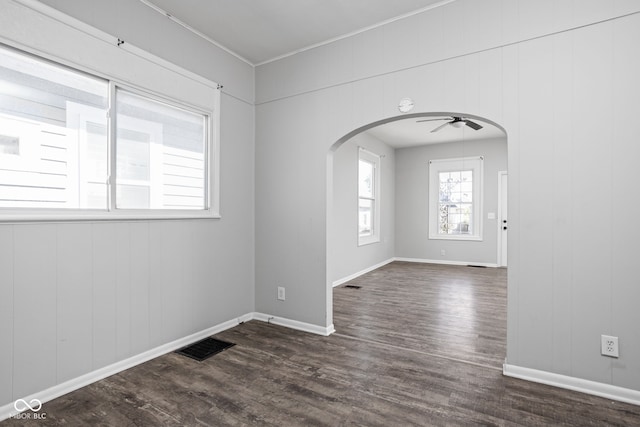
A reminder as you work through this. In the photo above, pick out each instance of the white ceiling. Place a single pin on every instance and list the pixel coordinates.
(262, 30)
(410, 133)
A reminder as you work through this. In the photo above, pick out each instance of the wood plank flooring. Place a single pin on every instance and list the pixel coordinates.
(450, 311)
(417, 345)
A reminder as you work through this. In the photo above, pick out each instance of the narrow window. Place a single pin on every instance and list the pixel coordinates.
(368, 197)
(455, 195)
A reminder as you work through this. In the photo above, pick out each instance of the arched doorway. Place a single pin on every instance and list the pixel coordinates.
(343, 194)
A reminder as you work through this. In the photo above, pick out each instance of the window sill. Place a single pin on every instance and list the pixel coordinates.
(368, 241)
(99, 216)
(455, 237)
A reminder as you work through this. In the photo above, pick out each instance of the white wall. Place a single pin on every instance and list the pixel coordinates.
(78, 296)
(345, 256)
(138, 24)
(565, 95)
(412, 202)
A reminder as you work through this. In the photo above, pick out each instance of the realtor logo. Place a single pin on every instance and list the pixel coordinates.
(22, 405)
(34, 405)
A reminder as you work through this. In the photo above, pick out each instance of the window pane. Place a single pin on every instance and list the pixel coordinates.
(160, 155)
(133, 196)
(53, 140)
(443, 218)
(9, 145)
(365, 217)
(455, 189)
(365, 179)
(455, 202)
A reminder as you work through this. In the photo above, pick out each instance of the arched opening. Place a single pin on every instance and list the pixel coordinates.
(405, 162)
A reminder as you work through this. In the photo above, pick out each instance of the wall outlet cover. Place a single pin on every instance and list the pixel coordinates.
(609, 346)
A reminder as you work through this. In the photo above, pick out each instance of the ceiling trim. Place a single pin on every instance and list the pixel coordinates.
(353, 33)
(196, 32)
(294, 52)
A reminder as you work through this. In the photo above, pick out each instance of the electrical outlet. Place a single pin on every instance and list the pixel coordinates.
(280, 293)
(443, 252)
(609, 346)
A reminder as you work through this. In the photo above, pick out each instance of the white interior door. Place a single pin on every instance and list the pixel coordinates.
(503, 218)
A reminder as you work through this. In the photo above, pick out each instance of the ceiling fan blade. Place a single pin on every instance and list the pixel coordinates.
(432, 120)
(472, 125)
(440, 127)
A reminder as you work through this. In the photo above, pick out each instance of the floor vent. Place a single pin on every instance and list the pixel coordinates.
(204, 349)
(353, 286)
(477, 266)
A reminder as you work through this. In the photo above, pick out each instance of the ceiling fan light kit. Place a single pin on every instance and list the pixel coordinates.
(456, 122)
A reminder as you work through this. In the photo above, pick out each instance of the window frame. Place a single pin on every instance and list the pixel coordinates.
(436, 166)
(209, 135)
(212, 151)
(375, 160)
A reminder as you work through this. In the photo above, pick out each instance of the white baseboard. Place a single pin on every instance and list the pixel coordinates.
(417, 260)
(571, 383)
(58, 390)
(294, 324)
(446, 262)
(360, 273)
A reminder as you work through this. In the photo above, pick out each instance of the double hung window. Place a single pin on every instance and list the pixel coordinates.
(455, 199)
(368, 197)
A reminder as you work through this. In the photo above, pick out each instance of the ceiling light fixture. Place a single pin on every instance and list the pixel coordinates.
(405, 105)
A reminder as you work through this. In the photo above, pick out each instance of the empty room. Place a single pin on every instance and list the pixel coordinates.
(310, 212)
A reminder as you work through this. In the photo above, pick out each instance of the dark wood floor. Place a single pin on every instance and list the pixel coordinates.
(448, 311)
(417, 344)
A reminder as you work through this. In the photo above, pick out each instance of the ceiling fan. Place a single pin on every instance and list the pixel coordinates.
(456, 122)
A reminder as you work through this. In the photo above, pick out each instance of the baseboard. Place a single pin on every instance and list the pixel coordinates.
(361, 272)
(571, 383)
(446, 262)
(294, 324)
(58, 390)
(417, 260)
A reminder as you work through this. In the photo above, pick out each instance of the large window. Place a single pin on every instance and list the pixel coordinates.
(75, 144)
(455, 199)
(368, 197)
